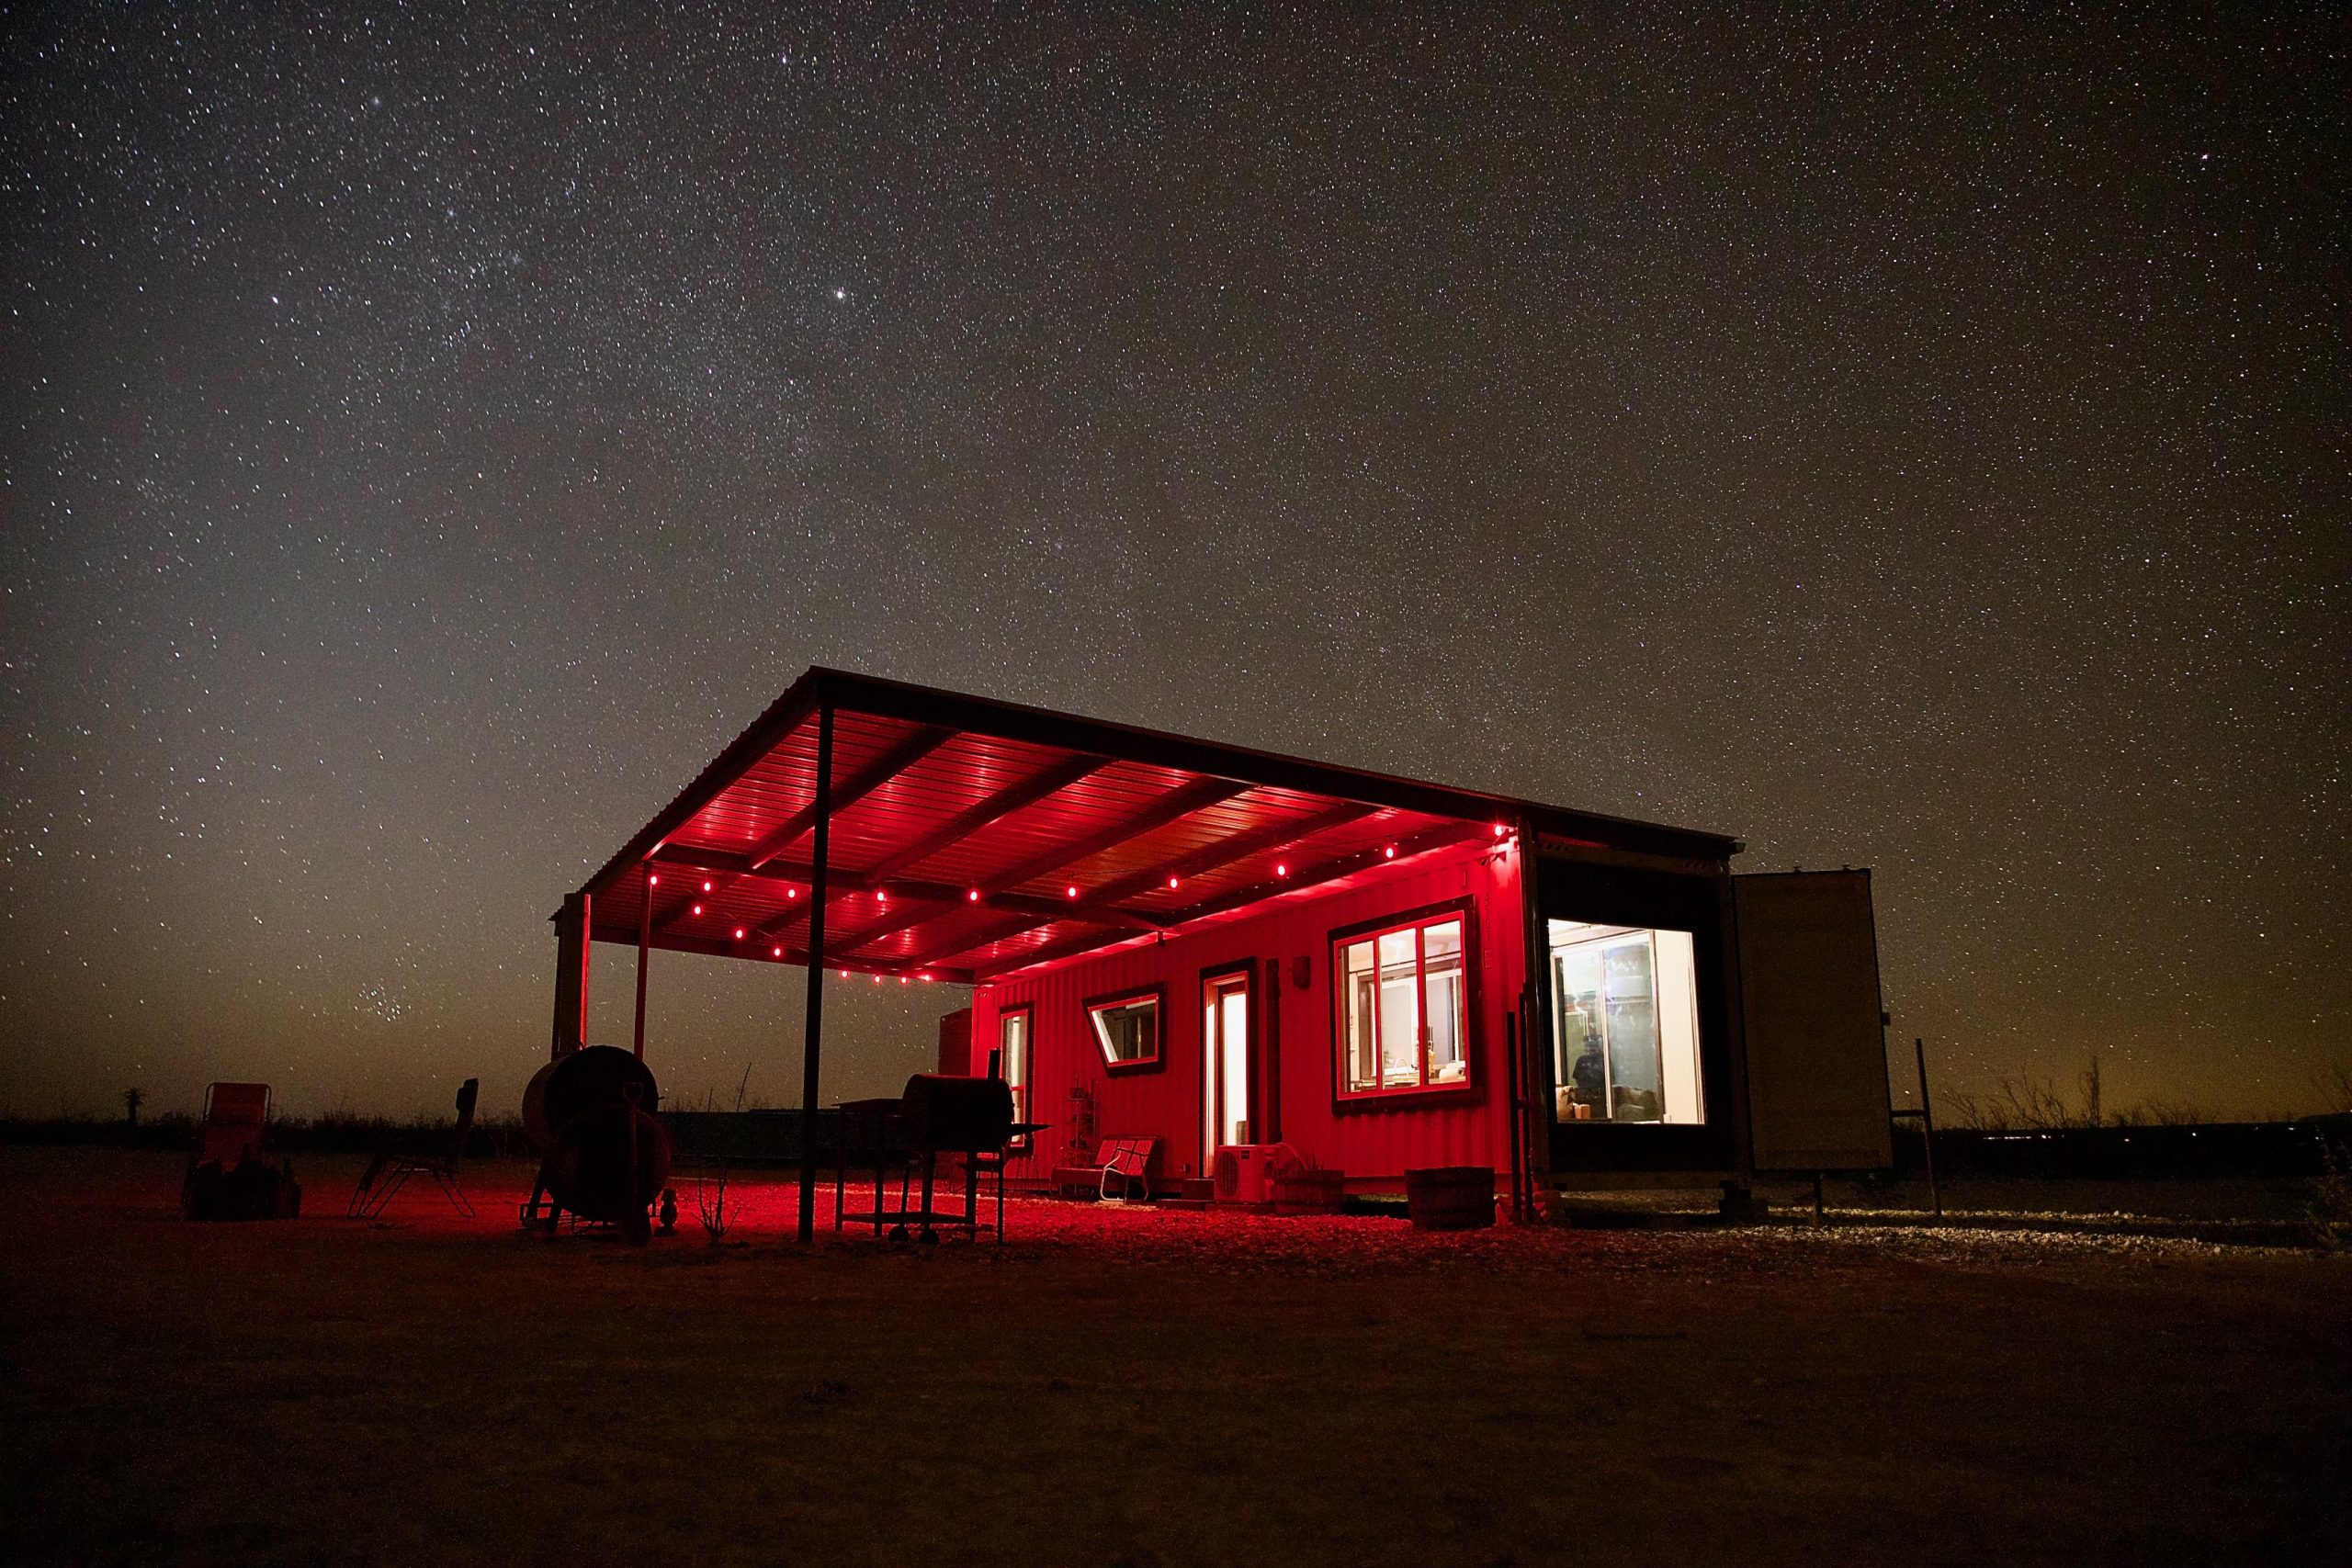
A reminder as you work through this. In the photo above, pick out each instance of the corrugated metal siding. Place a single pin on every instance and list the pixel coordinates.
(1368, 1142)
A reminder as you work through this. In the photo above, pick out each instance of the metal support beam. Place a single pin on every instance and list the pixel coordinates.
(1003, 803)
(813, 1031)
(921, 743)
(1169, 807)
(1329, 871)
(571, 1031)
(644, 950)
(1091, 907)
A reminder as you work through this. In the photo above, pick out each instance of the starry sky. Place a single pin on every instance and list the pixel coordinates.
(431, 432)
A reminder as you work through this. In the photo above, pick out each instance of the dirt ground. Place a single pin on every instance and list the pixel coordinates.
(2134, 1375)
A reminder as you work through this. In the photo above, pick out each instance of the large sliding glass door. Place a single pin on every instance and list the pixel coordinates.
(1625, 1036)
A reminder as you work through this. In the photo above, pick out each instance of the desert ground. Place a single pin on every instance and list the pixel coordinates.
(2155, 1373)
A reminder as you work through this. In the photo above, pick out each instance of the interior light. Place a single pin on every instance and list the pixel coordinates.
(1499, 830)
(1071, 890)
(972, 895)
(697, 908)
(1171, 882)
(1281, 869)
(706, 887)
(1388, 853)
(740, 933)
(880, 896)
(779, 953)
(654, 880)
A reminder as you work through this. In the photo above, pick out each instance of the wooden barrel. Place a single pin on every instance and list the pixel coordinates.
(1450, 1197)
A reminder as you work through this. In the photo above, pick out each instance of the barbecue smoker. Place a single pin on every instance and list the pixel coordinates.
(605, 1156)
(938, 1114)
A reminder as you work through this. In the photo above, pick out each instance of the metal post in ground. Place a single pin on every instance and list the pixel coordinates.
(1927, 1125)
(813, 1032)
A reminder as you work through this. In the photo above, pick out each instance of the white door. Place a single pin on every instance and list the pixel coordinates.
(1224, 1044)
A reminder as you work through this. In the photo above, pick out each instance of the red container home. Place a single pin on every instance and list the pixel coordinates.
(1214, 947)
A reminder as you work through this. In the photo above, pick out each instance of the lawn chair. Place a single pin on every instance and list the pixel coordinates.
(234, 1115)
(389, 1172)
(230, 1140)
(1127, 1161)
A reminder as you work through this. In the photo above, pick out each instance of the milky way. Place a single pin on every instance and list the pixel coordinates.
(430, 435)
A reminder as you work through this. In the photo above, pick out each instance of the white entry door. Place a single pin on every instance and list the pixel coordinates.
(1227, 1058)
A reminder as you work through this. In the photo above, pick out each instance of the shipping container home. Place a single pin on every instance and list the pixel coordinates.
(1213, 947)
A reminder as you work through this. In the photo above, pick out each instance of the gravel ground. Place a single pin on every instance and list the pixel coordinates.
(2052, 1376)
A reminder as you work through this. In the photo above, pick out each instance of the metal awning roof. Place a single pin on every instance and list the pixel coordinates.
(970, 838)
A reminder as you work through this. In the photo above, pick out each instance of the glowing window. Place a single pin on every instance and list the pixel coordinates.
(1127, 1029)
(1403, 1012)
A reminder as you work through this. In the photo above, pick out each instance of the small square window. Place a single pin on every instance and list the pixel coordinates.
(1127, 1029)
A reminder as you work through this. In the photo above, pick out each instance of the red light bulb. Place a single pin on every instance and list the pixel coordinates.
(697, 908)
(1388, 853)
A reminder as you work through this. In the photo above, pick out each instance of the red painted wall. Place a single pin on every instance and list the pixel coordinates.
(1372, 1142)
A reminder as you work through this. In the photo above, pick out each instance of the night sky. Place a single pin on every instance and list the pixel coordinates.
(430, 435)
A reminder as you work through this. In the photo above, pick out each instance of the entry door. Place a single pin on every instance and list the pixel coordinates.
(1227, 1055)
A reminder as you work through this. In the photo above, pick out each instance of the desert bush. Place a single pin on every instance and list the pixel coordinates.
(2331, 1206)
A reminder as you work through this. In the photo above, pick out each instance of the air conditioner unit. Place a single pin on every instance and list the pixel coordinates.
(1244, 1173)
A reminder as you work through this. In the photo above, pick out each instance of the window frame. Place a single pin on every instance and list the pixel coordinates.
(1157, 995)
(1335, 958)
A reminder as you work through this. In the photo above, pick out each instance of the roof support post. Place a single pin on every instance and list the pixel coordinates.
(813, 1031)
(644, 946)
(1538, 1108)
(571, 1031)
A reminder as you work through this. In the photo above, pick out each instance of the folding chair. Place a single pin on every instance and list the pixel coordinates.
(387, 1172)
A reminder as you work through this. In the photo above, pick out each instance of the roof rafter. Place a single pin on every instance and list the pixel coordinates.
(1328, 870)
(1054, 776)
(920, 743)
(1241, 846)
